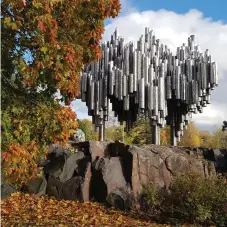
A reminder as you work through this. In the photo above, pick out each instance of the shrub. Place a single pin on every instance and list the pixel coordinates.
(191, 199)
(153, 197)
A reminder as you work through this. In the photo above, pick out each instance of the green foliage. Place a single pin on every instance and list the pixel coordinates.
(88, 128)
(219, 139)
(45, 45)
(191, 199)
(27, 131)
(115, 133)
(153, 197)
(140, 133)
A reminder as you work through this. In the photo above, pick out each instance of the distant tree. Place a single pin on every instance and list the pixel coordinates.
(140, 133)
(165, 136)
(219, 139)
(224, 127)
(206, 138)
(88, 128)
(191, 136)
(114, 133)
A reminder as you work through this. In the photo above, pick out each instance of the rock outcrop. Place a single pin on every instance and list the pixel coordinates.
(116, 173)
(7, 189)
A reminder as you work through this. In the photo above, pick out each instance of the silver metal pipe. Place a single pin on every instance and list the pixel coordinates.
(161, 84)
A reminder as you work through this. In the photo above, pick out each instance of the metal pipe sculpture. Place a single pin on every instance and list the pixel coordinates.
(148, 79)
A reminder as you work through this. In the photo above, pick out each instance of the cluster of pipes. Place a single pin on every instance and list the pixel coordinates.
(148, 79)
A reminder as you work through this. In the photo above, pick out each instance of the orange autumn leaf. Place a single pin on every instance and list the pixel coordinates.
(46, 44)
(30, 210)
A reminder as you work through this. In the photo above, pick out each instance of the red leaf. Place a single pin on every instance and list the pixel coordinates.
(41, 26)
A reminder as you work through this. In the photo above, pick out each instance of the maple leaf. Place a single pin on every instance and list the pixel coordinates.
(36, 30)
(44, 211)
(41, 26)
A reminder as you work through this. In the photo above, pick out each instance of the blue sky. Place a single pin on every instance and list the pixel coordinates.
(216, 9)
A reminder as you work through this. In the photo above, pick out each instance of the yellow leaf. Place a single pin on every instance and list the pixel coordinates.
(44, 49)
(7, 20)
(37, 4)
(14, 26)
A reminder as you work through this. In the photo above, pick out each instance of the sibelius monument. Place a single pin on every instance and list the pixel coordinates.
(148, 79)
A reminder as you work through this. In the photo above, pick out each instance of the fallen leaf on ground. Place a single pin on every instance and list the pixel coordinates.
(46, 211)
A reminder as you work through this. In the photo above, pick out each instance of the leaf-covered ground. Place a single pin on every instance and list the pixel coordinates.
(27, 210)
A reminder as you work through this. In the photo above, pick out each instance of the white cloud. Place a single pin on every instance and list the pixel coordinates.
(81, 109)
(212, 114)
(126, 8)
(174, 29)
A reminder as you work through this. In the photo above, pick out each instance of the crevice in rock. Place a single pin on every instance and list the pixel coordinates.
(98, 188)
(111, 165)
(121, 150)
(126, 163)
(71, 189)
(82, 166)
(83, 147)
(138, 164)
(204, 169)
(208, 154)
(110, 151)
(75, 174)
(171, 172)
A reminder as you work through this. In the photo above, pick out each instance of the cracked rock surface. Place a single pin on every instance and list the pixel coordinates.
(115, 173)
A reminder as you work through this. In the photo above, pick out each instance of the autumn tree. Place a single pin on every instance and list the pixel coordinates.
(114, 133)
(88, 128)
(140, 132)
(219, 139)
(206, 138)
(165, 136)
(191, 136)
(45, 44)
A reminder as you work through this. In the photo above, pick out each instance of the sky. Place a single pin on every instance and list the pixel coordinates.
(173, 22)
(214, 9)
